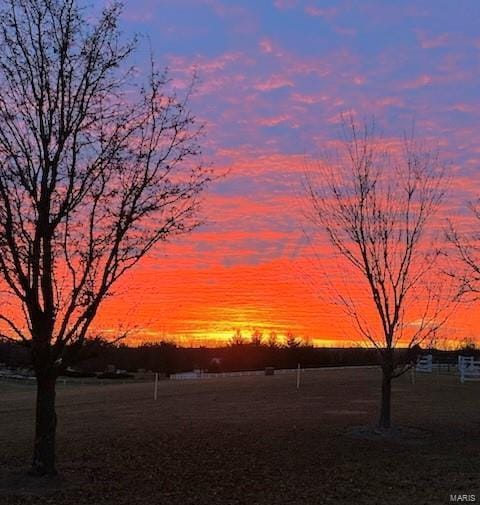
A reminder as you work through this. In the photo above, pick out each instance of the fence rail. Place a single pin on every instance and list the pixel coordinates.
(198, 374)
(424, 364)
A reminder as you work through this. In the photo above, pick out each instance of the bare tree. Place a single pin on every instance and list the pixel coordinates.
(376, 207)
(291, 341)
(94, 171)
(272, 341)
(465, 263)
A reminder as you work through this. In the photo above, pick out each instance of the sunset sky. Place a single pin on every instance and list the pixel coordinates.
(274, 78)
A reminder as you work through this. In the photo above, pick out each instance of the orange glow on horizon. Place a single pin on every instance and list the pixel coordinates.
(196, 306)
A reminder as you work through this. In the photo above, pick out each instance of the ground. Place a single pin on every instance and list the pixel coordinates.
(250, 440)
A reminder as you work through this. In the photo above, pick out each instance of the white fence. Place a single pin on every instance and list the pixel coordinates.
(468, 368)
(424, 364)
(199, 374)
(464, 361)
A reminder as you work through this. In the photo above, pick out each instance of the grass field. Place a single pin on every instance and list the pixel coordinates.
(252, 440)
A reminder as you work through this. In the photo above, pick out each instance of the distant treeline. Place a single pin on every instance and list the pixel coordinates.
(168, 358)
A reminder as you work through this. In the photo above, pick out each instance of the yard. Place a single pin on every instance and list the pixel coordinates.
(250, 440)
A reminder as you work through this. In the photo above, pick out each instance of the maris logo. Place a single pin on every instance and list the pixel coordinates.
(462, 498)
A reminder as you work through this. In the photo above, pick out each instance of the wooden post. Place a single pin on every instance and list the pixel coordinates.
(298, 376)
(412, 370)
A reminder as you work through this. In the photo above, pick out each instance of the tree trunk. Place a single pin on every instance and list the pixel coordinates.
(45, 428)
(384, 422)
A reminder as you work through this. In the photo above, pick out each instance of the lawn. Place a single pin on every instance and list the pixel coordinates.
(251, 440)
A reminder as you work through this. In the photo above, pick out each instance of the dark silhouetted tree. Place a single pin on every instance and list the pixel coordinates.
(95, 169)
(272, 341)
(237, 338)
(257, 338)
(291, 341)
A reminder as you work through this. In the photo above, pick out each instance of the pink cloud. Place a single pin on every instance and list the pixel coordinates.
(304, 98)
(274, 82)
(389, 101)
(419, 82)
(204, 65)
(266, 46)
(273, 121)
(462, 107)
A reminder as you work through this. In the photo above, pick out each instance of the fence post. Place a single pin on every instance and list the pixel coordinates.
(298, 376)
(155, 389)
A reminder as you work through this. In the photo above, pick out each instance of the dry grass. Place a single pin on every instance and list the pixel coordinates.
(253, 440)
